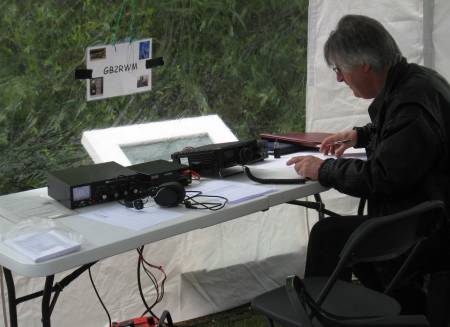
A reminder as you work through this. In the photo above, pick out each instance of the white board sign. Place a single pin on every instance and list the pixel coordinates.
(118, 69)
(133, 144)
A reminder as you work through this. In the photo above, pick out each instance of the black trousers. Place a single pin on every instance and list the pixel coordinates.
(326, 240)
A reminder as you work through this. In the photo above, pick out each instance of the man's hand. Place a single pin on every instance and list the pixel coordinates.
(337, 143)
(307, 166)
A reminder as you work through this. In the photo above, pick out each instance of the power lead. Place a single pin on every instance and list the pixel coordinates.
(136, 322)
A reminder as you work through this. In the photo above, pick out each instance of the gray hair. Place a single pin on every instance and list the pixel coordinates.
(360, 40)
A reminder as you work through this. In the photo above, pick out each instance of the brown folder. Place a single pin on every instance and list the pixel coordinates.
(311, 139)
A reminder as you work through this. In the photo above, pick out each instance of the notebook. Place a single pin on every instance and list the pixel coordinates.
(307, 139)
(43, 245)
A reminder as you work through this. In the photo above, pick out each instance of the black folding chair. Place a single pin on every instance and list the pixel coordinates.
(322, 301)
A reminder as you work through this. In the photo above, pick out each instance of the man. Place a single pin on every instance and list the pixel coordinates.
(407, 141)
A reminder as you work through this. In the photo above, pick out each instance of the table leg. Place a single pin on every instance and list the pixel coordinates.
(11, 297)
(13, 301)
(361, 205)
(319, 200)
(318, 205)
(48, 302)
(46, 297)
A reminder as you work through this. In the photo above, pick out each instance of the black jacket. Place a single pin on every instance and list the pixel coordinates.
(407, 144)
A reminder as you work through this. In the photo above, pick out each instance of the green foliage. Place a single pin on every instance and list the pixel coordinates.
(244, 60)
(242, 316)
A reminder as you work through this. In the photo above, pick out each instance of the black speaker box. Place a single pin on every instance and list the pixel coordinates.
(91, 184)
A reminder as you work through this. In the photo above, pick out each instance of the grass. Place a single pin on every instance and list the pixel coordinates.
(242, 316)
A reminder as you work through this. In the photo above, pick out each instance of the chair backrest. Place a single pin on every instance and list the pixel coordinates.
(389, 237)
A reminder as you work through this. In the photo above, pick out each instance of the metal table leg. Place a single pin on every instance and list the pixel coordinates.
(48, 303)
(319, 200)
(46, 297)
(11, 297)
(318, 205)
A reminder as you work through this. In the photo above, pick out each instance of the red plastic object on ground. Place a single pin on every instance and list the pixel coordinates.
(136, 322)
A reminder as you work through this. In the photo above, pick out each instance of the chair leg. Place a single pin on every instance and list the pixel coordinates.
(270, 322)
(439, 299)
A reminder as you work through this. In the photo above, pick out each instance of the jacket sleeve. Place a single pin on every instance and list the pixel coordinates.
(408, 148)
(364, 135)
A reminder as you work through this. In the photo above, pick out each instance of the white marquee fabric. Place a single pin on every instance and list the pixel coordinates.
(440, 41)
(224, 266)
(331, 106)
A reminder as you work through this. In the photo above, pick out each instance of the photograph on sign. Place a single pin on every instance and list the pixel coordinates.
(118, 69)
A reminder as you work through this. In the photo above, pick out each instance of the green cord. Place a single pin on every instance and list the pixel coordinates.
(131, 25)
(131, 30)
(118, 19)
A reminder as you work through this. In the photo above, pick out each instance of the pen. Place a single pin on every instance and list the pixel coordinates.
(276, 150)
(342, 142)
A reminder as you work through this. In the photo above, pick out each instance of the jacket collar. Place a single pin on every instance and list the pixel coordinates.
(395, 74)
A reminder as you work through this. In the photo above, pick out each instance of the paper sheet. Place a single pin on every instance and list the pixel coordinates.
(37, 206)
(350, 153)
(235, 192)
(121, 216)
(277, 168)
(274, 169)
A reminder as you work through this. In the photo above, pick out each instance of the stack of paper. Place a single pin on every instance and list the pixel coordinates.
(235, 192)
(43, 245)
(274, 169)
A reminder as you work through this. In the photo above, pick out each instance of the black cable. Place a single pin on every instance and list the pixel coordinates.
(165, 316)
(159, 290)
(141, 293)
(154, 281)
(196, 193)
(98, 296)
(192, 203)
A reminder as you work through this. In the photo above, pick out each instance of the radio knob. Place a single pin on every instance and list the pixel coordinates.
(104, 197)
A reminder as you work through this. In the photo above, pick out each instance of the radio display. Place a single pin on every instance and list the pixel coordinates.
(81, 193)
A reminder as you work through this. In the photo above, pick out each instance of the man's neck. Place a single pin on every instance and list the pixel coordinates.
(377, 81)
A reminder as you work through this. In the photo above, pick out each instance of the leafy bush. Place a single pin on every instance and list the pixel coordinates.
(244, 60)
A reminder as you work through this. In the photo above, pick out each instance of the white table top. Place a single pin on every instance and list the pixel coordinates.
(104, 240)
